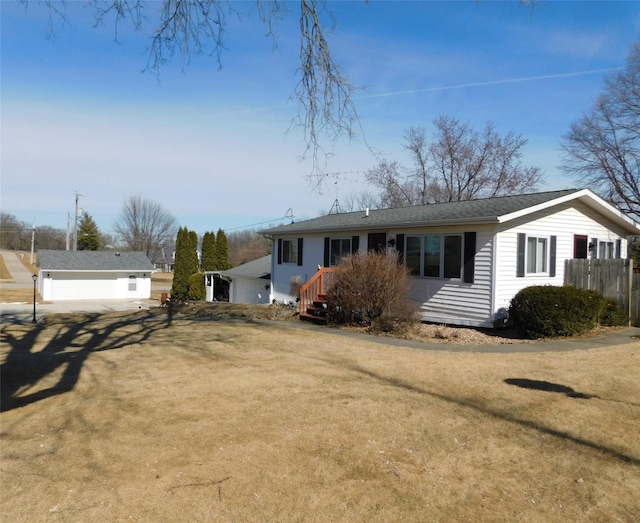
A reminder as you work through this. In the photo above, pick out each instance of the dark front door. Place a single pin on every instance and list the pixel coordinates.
(377, 241)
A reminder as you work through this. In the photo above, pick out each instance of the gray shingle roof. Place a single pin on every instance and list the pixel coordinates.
(49, 260)
(471, 211)
(260, 268)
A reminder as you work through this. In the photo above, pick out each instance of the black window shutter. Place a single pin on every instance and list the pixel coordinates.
(522, 238)
(327, 251)
(299, 251)
(469, 256)
(552, 257)
(355, 244)
(618, 248)
(400, 247)
(279, 251)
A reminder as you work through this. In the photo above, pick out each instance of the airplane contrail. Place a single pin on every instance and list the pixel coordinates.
(492, 82)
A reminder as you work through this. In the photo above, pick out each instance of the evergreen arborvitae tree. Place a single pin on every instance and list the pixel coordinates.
(186, 263)
(89, 237)
(194, 261)
(208, 259)
(222, 251)
(181, 274)
(197, 288)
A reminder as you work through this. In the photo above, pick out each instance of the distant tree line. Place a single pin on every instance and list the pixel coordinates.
(15, 235)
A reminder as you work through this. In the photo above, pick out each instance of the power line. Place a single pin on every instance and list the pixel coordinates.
(287, 215)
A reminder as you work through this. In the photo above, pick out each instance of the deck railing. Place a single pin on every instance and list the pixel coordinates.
(317, 285)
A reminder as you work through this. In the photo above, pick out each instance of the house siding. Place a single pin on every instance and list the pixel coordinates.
(438, 300)
(60, 286)
(283, 273)
(453, 301)
(565, 221)
(245, 290)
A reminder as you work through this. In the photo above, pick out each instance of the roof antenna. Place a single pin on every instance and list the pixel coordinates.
(288, 214)
(336, 206)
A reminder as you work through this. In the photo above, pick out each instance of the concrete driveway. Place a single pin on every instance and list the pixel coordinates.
(22, 277)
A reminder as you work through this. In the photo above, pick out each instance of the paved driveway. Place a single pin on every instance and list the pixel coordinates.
(22, 277)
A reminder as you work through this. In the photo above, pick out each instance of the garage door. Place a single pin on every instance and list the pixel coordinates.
(83, 286)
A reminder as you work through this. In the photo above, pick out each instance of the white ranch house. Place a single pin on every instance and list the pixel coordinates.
(93, 275)
(468, 259)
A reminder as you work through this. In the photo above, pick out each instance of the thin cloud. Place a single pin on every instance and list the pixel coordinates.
(492, 82)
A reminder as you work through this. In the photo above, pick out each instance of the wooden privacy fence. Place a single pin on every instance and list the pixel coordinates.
(611, 278)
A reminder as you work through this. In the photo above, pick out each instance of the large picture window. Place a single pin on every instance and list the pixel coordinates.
(434, 256)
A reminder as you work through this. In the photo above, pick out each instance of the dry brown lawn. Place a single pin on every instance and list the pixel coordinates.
(150, 418)
(4, 272)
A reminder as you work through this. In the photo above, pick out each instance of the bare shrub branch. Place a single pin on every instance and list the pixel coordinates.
(371, 289)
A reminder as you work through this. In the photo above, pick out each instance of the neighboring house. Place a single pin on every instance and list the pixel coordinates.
(246, 283)
(93, 275)
(467, 259)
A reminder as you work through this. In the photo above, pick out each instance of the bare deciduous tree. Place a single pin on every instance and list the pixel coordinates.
(144, 225)
(459, 164)
(186, 28)
(602, 149)
(326, 111)
(247, 245)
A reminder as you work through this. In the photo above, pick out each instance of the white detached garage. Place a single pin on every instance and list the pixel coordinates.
(93, 275)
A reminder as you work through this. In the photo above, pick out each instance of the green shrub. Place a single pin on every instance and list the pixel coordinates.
(548, 311)
(611, 314)
(371, 289)
(197, 289)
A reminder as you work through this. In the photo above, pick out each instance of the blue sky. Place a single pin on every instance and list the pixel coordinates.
(212, 145)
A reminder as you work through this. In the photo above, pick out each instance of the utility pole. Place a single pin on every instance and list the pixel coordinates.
(68, 229)
(33, 239)
(75, 224)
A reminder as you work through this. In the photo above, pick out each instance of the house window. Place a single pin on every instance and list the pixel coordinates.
(536, 255)
(132, 283)
(605, 250)
(412, 254)
(434, 256)
(289, 251)
(340, 247)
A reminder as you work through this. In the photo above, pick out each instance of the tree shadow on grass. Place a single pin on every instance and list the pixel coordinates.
(547, 386)
(67, 350)
(487, 410)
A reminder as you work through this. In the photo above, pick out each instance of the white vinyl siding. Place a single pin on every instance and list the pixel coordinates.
(283, 273)
(566, 221)
(63, 285)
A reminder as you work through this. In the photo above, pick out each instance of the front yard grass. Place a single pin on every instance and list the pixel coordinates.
(148, 418)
